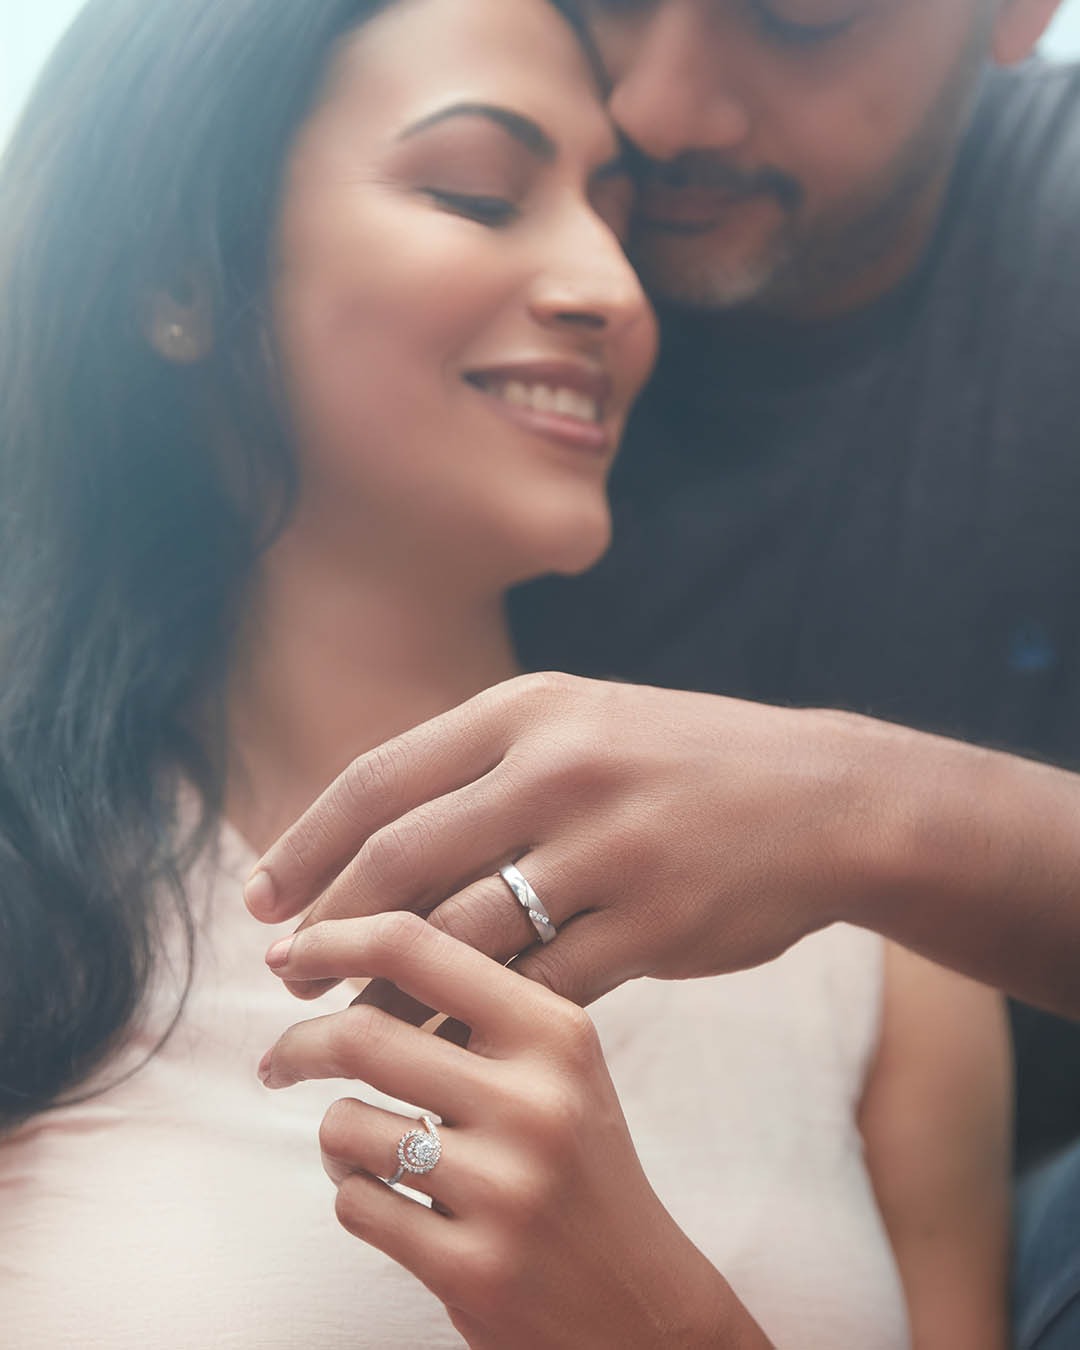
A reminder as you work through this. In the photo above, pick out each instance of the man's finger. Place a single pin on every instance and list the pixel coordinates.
(412, 862)
(589, 958)
(429, 761)
(431, 852)
(387, 996)
(487, 917)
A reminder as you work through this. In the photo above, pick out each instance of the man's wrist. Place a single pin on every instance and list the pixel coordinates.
(971, 856)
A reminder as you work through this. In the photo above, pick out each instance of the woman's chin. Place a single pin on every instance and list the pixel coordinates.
(581, 548)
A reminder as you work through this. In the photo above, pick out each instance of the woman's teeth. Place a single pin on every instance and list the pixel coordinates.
(543, 398)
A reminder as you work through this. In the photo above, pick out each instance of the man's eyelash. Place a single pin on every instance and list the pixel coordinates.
(796, 34)
(492, 211)
(784, 31)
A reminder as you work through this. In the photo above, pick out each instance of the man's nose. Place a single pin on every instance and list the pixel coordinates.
(676, 87)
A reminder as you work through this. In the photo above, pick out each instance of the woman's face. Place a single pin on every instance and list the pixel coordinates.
(460, 333)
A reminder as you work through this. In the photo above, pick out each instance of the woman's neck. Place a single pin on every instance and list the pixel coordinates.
(330, 663)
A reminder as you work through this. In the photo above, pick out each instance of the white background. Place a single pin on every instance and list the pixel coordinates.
(28, 28)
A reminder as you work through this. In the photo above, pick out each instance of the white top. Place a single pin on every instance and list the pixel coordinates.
(187, 1207)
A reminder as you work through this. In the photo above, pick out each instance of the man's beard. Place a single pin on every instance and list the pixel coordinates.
(799, 268)
(807, 259)
(698, 280)
(688, 261)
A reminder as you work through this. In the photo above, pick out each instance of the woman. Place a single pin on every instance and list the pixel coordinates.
(316, 337)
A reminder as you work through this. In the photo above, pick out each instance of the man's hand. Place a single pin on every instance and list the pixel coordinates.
(668, 834)
(675, 835)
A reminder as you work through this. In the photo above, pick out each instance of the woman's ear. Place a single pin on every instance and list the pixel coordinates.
(181, 332)
(1019, 26)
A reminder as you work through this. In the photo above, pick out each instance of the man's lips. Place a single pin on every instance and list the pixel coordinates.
(692, 209)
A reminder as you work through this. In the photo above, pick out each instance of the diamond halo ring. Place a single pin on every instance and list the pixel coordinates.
(418, 1151)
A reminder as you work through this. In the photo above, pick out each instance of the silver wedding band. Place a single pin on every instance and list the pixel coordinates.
(529, 901)
(418, 1151)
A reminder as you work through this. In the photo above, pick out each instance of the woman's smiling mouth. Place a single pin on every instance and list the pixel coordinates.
(559, 400)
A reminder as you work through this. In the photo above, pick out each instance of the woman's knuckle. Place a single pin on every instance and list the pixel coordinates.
(575, 1034)
(533, 1189)
(394, 935)
(487, 1277)
(553, 1134)
(351, 1207)
(357, 1037)
(336, 1131)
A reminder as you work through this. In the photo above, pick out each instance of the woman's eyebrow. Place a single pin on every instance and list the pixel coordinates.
(523, 129)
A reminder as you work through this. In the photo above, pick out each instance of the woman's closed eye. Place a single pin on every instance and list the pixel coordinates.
(483, 208)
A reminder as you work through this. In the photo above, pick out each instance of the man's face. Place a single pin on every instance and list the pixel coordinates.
(793, 151)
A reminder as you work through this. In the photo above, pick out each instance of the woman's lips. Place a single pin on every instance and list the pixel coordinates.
(568, 430)
(559, 400)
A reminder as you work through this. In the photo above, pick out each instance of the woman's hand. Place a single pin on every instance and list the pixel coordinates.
(543, 1230)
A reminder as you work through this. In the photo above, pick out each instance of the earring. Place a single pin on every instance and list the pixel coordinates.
(176, 342)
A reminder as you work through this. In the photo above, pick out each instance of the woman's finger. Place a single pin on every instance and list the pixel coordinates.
(358, 1137)
(421, 1239)
(372, 1047)
(425, 964)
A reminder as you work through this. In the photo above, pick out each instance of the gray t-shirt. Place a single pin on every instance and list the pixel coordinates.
(882, 512)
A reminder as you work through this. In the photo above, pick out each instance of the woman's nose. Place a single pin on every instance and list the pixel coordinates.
(589, 285)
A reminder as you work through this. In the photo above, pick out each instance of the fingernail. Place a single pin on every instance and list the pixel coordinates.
(279, 953)
(264, 1067)
(259, 893)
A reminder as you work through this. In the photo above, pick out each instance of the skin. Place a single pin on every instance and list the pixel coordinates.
(419, 245)
(934, 1117)
(637, 810)
(934, 1120)
(795, 152)
(392, 286)
(640, 815)
(681, 835)
(405, 461)
(535, 1237)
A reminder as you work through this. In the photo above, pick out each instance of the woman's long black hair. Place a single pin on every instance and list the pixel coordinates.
(149, 155)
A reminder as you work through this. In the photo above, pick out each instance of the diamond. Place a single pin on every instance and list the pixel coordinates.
(419, 1151)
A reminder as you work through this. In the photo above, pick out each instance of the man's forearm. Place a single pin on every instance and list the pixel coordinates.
(977, 865)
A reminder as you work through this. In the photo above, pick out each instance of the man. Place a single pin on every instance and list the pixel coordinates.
(855, 484)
